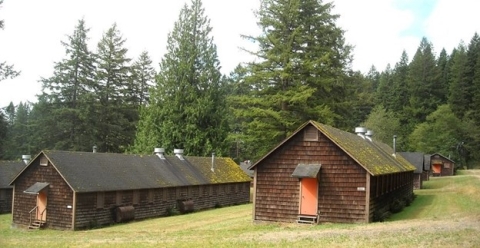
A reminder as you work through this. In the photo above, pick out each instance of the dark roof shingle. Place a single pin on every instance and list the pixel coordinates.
(90, 172)
(8, 171)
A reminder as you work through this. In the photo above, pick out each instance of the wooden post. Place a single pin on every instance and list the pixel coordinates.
(254, 191)
(367, 198)
(74, 209)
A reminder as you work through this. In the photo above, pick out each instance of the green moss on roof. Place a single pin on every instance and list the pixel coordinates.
(87, 172)
(376, 157)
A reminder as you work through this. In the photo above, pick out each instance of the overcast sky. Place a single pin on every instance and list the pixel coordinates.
(378, 29)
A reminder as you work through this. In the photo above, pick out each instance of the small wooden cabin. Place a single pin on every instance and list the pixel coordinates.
(8, 170)
(422, 166)
(78, 190)
(323, 174)
(441, 165)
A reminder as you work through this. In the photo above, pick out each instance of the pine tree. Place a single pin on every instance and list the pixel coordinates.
(459, 93)
(3, 133)
(141, 80)
(187, 107)
(384, 93)
(443, 64)
(19, 134)
(300, 73)
(423, 78)
(67, 94)
(114, 129)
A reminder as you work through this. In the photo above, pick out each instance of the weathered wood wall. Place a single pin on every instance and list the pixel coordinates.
(59, 197)
(6, 200)
(385, 189)
(343, 184)
(277, 193)
(156, 202)
(417, 181)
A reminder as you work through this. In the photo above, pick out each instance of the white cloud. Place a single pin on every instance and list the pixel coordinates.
(375, 29)
(452, 22)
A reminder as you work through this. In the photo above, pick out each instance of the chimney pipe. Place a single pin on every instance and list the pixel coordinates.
(26, 158)
(213, 162)
(178, 153)
(160, 152)
(360, 131)
(369, 134)
(394, 145)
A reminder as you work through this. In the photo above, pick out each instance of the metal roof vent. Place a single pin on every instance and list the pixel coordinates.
(369, 134)
(360, 131)
(160, 152)
(394, 146)
(178, 153)
(94, 149)
(26, 158)
(213, 162)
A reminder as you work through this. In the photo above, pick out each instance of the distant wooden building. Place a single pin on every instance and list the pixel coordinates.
(441, 165)
(77, 190)
(8, 170)
(323, 174)
(422, 165)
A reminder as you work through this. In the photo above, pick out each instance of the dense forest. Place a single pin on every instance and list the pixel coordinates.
(100, 97)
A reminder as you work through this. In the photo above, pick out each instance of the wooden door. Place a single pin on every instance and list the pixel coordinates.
(42, 205)
(308, 196)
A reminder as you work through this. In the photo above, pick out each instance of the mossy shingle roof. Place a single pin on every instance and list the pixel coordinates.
(8, 171)
(375, 157)
(91, 172)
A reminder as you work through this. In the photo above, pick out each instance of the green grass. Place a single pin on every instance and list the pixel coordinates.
(444, 214)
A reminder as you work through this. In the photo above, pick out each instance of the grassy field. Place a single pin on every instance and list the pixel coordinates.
(445, 214)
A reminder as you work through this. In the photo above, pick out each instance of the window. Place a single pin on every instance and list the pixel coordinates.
(43, 161)
(150, 196)
(100, 199)
(3, 194)
(118, 198)
(310, 134)
(136, 197)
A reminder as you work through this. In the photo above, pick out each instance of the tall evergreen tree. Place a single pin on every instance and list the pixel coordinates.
(114, 130)
(67, 94)
(141, 80)
(385, 90)
(399, 80)
(3, 133)
(459, 91)
(187, 108)
(19, 134)
(300, 73)
(423, 84)
(443, 64)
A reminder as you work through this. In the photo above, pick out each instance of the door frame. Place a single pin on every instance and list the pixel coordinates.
(42, 202)
(300, 198)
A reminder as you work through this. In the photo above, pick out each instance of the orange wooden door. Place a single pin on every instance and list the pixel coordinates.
(42, 205)
(309, 196)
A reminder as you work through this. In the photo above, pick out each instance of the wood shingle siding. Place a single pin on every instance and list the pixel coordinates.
(357, 179)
